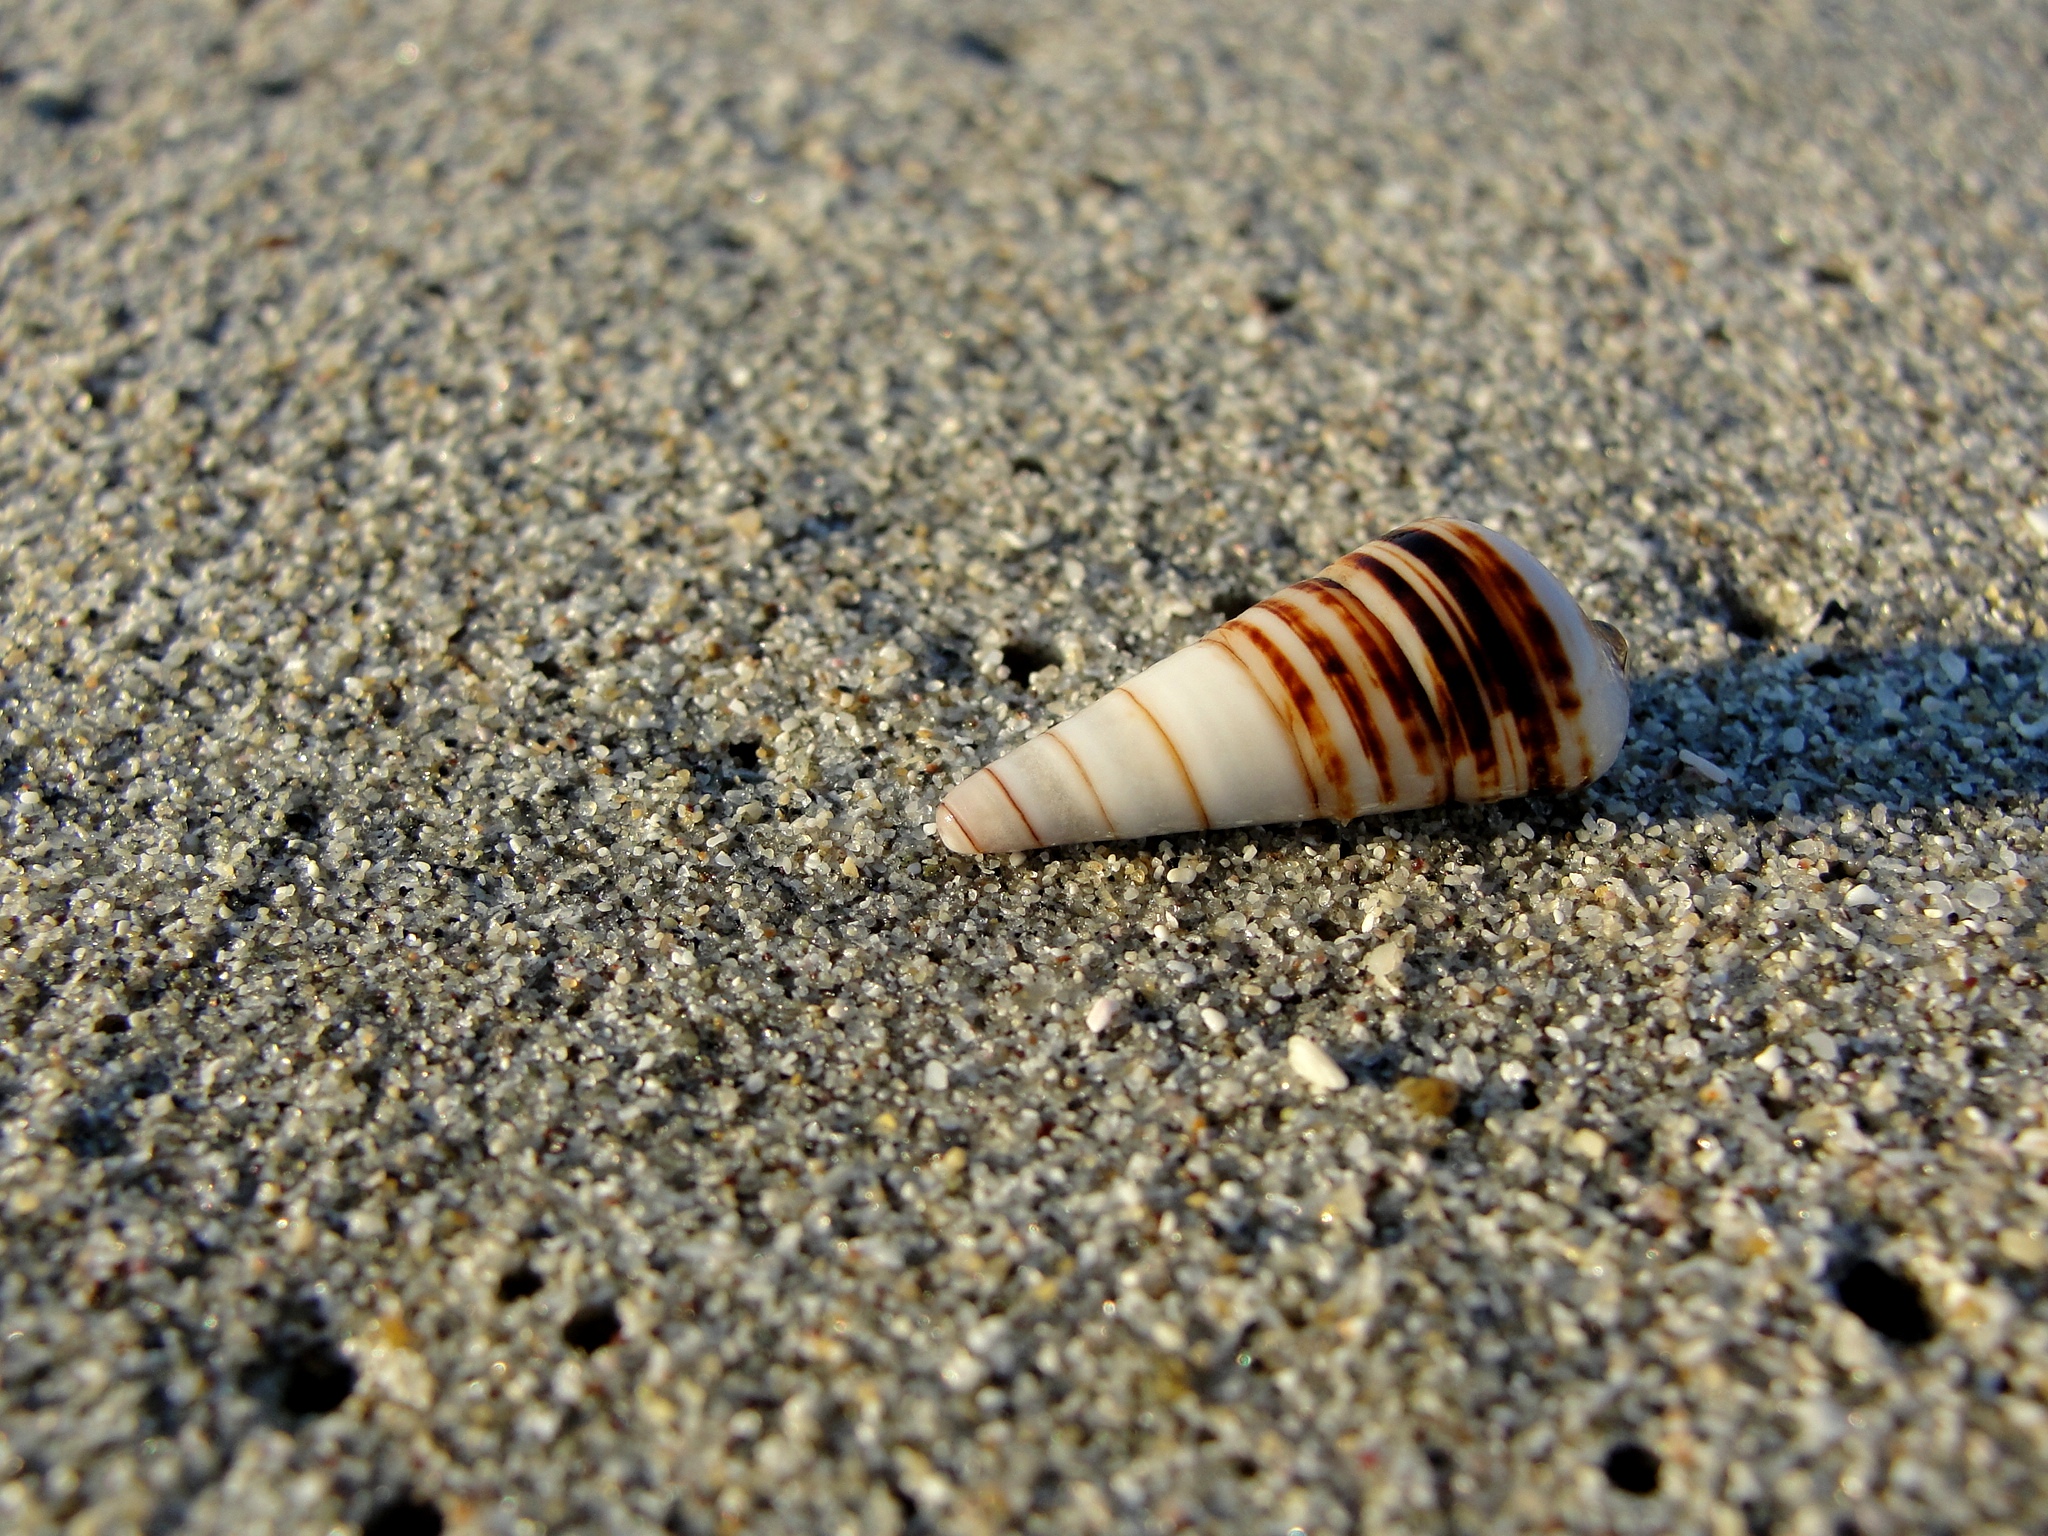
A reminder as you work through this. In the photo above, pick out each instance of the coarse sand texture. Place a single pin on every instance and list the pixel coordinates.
(512, 515)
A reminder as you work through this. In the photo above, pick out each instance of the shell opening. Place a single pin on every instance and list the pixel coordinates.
(1615, 641)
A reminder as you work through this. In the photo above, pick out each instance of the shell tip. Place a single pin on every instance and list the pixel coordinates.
(952, 833)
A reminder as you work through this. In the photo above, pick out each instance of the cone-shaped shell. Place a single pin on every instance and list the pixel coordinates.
(1442, 662)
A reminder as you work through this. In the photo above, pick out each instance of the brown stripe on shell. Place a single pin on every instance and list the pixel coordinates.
(1434, 568)
(1305, 611)
(1517, 654)
(1087, 783)
(1552, 662)
(998, 778)
(1187, 783)
(1468, 724)
(1396, 679)
(1300, 697)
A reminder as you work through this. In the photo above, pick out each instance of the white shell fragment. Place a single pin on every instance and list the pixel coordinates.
(1384, 960)
(1441, 662)
(1315, 1066)
(1712, 772)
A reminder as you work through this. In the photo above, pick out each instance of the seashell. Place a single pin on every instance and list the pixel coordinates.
(1441, 662)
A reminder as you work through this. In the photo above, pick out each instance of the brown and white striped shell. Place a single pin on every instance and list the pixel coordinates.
(1442, 662)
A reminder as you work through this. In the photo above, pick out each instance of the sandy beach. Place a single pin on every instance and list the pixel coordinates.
(512, 514)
